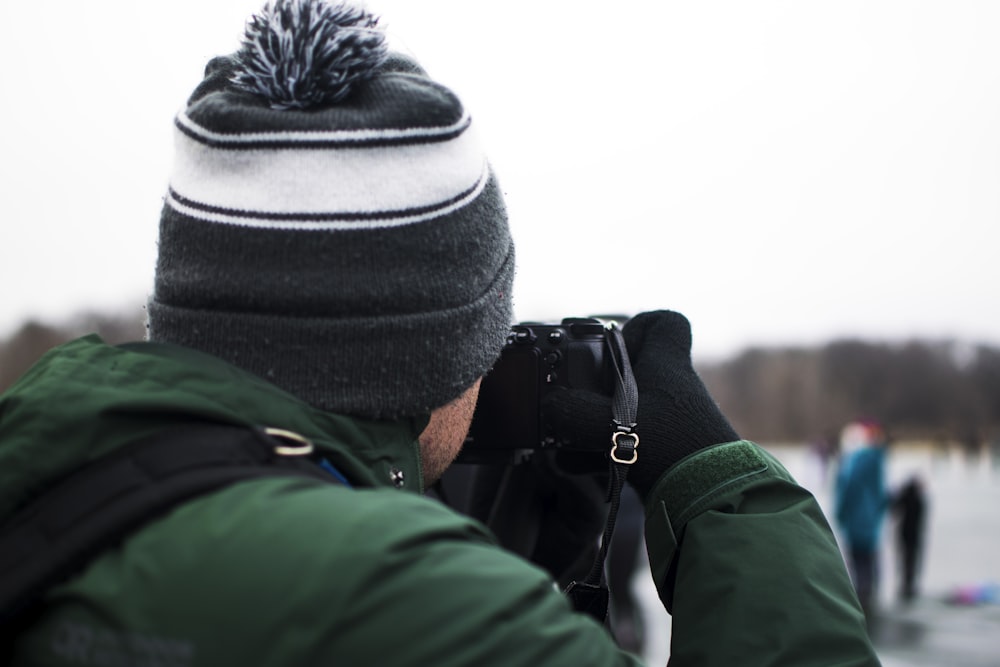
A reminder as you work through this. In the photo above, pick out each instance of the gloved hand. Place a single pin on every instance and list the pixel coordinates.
(676, 415)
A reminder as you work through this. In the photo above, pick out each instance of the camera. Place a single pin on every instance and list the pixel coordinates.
(537, 359)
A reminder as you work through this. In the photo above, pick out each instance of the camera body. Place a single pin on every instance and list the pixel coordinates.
(537, 359)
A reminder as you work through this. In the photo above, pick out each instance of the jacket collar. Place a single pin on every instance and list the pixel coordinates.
(86, 398)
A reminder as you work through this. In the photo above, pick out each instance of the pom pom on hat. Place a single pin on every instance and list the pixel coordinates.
(332, 224)
(303, 53)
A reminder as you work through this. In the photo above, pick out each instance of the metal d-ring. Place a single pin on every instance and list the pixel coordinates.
(614, 447)
(303, 448)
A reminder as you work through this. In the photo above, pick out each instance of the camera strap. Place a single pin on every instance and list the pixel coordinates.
(592, 595)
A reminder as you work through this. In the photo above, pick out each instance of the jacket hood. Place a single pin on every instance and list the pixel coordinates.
(85, 399)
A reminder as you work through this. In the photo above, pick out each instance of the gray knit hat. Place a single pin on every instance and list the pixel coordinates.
(332, 225)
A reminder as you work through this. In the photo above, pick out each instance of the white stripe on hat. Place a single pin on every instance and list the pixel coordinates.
(316, 188)
(360, 136)
(320, 220)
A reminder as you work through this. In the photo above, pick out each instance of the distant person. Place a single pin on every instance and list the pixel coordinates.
(909, 506)
(822, 451)
(860, 501)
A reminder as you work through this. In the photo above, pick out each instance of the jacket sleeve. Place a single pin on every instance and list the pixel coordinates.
(432, 588)
(748, 566)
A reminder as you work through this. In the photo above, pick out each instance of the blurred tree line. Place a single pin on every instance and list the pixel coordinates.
(942, 392)
(932, 391)
(33, 339)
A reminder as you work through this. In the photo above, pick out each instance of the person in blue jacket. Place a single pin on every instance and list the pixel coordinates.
(861, 500)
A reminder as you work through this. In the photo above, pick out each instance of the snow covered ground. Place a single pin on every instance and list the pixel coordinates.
(962, 554)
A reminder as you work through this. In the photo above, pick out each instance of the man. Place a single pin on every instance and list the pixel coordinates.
(334, 262)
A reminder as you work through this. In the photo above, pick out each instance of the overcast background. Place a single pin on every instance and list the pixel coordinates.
(781, 172)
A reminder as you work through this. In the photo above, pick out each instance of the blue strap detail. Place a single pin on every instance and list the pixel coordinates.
(327, 466)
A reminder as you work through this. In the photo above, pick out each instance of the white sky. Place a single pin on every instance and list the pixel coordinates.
(781, 172)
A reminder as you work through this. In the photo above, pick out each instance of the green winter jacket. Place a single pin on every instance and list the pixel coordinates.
(286, 572)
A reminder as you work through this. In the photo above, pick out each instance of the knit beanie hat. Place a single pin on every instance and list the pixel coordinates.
(331, 223)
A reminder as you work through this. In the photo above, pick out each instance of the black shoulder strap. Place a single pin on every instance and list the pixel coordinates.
(100, 504)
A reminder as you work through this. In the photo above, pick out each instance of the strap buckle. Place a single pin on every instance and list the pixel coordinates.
(630, 445)
(302, 447)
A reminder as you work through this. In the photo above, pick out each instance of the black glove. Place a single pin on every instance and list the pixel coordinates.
(676, 415)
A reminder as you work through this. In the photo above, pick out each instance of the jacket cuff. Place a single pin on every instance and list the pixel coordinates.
(688, 488)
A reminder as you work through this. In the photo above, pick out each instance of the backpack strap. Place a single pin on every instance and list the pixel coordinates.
(92, 509)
